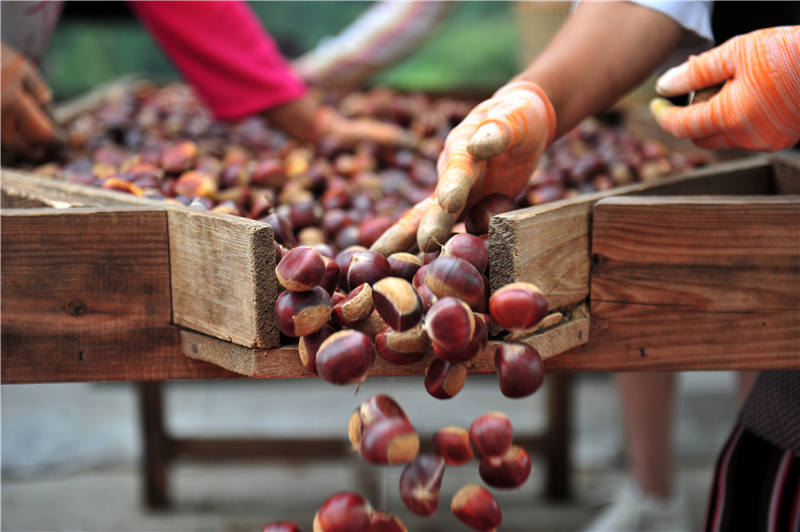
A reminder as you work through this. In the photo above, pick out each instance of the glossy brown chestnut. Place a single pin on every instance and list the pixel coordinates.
(471, 349)
(309, 345)
(450, 324)
(404, 347)
(305, 213)
(330, 279)
(356, 306)
(397, 303)
(508, 471)
(343, 259)
(452, 444)
(120, 185)
(372, 325)
(345, 357)
(490, 435)
(371, 228)
(477, 222)
(454, 277)
(404, 265)
(179, 158)
(518, 306)
(301, 269)
(467, 247)
(443, 380)
(302, 313)
(519, 369)
(389, 441)
(420, 483)
(367, 267)
(475, 507)
(343, 512)
(386, 522)
(426, 297)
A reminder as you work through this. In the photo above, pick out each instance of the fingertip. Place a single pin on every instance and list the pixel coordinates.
(490, 140)
(666, 84)
(434, 230)
(394, 240)
(453, 191)
(658, 107)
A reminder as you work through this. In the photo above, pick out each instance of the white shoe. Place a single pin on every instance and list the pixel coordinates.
(636, 511)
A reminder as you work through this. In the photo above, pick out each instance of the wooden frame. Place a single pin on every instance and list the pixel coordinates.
(217, 262)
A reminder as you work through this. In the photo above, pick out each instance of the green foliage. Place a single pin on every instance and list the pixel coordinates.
(475, 48)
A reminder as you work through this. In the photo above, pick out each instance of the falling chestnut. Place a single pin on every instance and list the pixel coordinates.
(519, 369)
(420, 483)
(343, 512)
(345, 357)
(518, 306)
(475, 507)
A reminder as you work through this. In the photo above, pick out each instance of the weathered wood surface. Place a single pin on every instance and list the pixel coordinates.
(548, 245)
(86, 297)
(694, 283)
(284, 362)
(222, 267)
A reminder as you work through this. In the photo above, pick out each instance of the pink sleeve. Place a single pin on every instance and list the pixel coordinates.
(222, 50)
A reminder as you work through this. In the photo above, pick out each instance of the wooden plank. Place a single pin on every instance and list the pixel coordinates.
(222, 267)
(787, 172)
(86, 297)
(694, 283)
(284, 362)
(548, 245)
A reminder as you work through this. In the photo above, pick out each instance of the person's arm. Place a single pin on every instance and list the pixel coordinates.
(603, 50)
(385, 33)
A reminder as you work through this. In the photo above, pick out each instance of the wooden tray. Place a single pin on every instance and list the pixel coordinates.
(101, 285)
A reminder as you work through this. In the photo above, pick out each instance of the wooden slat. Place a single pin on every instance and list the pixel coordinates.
(787, 172)
(284, 362)
(85, 297)
(222, 267)
(694, 283)
(549, 244)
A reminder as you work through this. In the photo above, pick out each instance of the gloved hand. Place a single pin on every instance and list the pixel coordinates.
(306, 120)
(758, 107)
(26, 127)
(493, 150)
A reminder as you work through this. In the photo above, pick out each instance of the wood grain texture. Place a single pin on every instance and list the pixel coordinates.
(548, 245)
(86, 297)
(222, 267)
(694, 283)
(284, 362)
(787, 172)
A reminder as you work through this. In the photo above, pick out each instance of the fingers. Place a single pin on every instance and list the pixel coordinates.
(32, 122)
(402, 235)
(695, 121)
(434, 228)
(715, 142)
(459, 171)
(13, 141)
(709, 68)
(34, 84)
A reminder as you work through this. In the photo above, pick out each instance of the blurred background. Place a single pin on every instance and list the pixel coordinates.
(72, 454)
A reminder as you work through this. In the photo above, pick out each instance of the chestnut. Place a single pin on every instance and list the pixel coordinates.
(330, 278)
(343, 259)
(518, 306)
(302, 313)
(311, 236)
(479, 216)
(281, 526)
(120, 185)
(370, 229)
(345, 357)
(467, 247)
(475, 507)
(469, 350)
(385, 522)
(260, 205)
(450, 324)
(389, 441)
(452, 276)
(367, 267)
(420, 483)
(519, 369)
(397, 302)
(356, 306)
(179, 158)
(490, 435)
(309, 345)
(269, 173)
(343, 512)
(372, 325)
(452, 444)
(404, 347)
(419, 276)
(379, 407)
(301, 269)
(404, 265)
(443, 380)
(426, 297)
(508, 471)
(305, 213)
(281, 228)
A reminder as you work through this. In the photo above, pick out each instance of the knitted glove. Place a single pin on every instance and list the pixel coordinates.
(493, 150)
(758, 107)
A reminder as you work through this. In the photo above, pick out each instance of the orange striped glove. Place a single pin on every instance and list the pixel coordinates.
(493, 150)
(758, 107)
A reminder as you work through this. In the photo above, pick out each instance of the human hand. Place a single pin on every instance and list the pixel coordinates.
(494, 150)
(306, 120)
(758, 107)
(26, 126)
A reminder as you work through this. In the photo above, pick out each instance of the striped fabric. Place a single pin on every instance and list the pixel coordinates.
(756, 487)
(758, 107)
